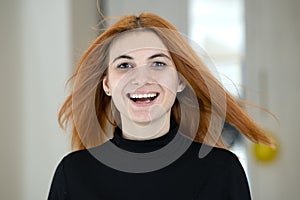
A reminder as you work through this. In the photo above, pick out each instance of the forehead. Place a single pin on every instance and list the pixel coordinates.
(135, 41)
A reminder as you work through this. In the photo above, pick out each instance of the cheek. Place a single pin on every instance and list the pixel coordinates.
(169, 81)
(114, 80)
(118, 84)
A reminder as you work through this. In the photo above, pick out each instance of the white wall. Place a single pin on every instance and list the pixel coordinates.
(10, 82)
(175, 11)
(45, 64)
(272, 80)
(40, 41)
(84, 26)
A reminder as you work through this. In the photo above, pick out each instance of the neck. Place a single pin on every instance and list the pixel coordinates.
(145, 131)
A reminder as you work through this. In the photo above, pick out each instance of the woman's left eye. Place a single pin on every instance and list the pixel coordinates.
(158, 64)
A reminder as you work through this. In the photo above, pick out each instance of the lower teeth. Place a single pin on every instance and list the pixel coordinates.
(146, 101)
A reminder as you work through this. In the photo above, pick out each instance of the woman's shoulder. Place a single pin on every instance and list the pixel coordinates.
(76, 157)
(212, 155)
(76, 154)
(87, 156)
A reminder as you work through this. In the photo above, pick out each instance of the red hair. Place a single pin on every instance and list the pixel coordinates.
(92, 105)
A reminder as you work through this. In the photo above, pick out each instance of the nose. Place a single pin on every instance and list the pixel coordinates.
(142, 75)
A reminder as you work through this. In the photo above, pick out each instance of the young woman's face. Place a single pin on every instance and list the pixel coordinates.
(142, 78)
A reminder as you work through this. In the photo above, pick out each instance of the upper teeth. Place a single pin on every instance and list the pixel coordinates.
(142, 95)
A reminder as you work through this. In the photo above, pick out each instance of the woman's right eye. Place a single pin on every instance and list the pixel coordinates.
(124, 66)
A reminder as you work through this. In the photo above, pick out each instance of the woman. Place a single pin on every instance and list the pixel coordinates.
(147, 117)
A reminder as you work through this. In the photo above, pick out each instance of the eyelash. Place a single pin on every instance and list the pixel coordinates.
(158, 64)
(155, 64)
(121, 66)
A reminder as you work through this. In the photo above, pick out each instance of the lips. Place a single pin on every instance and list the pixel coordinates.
(143, 97)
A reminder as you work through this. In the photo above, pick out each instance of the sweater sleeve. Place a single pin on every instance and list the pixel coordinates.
(58, 189)
(237, 187)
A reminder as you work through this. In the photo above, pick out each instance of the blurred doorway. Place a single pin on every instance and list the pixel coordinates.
(218, 27)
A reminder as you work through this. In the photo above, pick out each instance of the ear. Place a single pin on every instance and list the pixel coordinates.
(181, 85)
(105, 86)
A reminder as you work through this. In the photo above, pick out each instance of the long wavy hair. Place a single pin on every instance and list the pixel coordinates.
(90, 112)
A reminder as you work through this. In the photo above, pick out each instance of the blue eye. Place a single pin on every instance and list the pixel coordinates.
(124, 66)
(159, 64)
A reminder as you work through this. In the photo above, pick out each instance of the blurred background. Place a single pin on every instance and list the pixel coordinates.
(255, 45)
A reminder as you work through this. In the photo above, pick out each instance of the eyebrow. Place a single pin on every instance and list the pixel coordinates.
(159, 55)
(122, 56)
(150, 58)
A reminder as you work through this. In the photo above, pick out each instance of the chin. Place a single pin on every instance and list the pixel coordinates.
(146, 118)
(141, 118)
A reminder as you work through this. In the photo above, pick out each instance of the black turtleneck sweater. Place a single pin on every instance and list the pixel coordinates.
(82, 174)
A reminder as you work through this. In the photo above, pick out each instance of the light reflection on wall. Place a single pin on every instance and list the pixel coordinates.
(218, 27)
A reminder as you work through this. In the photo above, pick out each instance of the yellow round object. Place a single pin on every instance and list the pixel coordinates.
(264, 153)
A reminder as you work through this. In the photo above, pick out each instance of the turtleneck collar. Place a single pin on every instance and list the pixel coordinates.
(144, 146)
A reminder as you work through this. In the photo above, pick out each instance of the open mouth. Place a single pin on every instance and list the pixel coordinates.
(143, 98)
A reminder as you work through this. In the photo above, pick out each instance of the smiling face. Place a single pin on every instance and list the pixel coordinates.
(142, 78)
